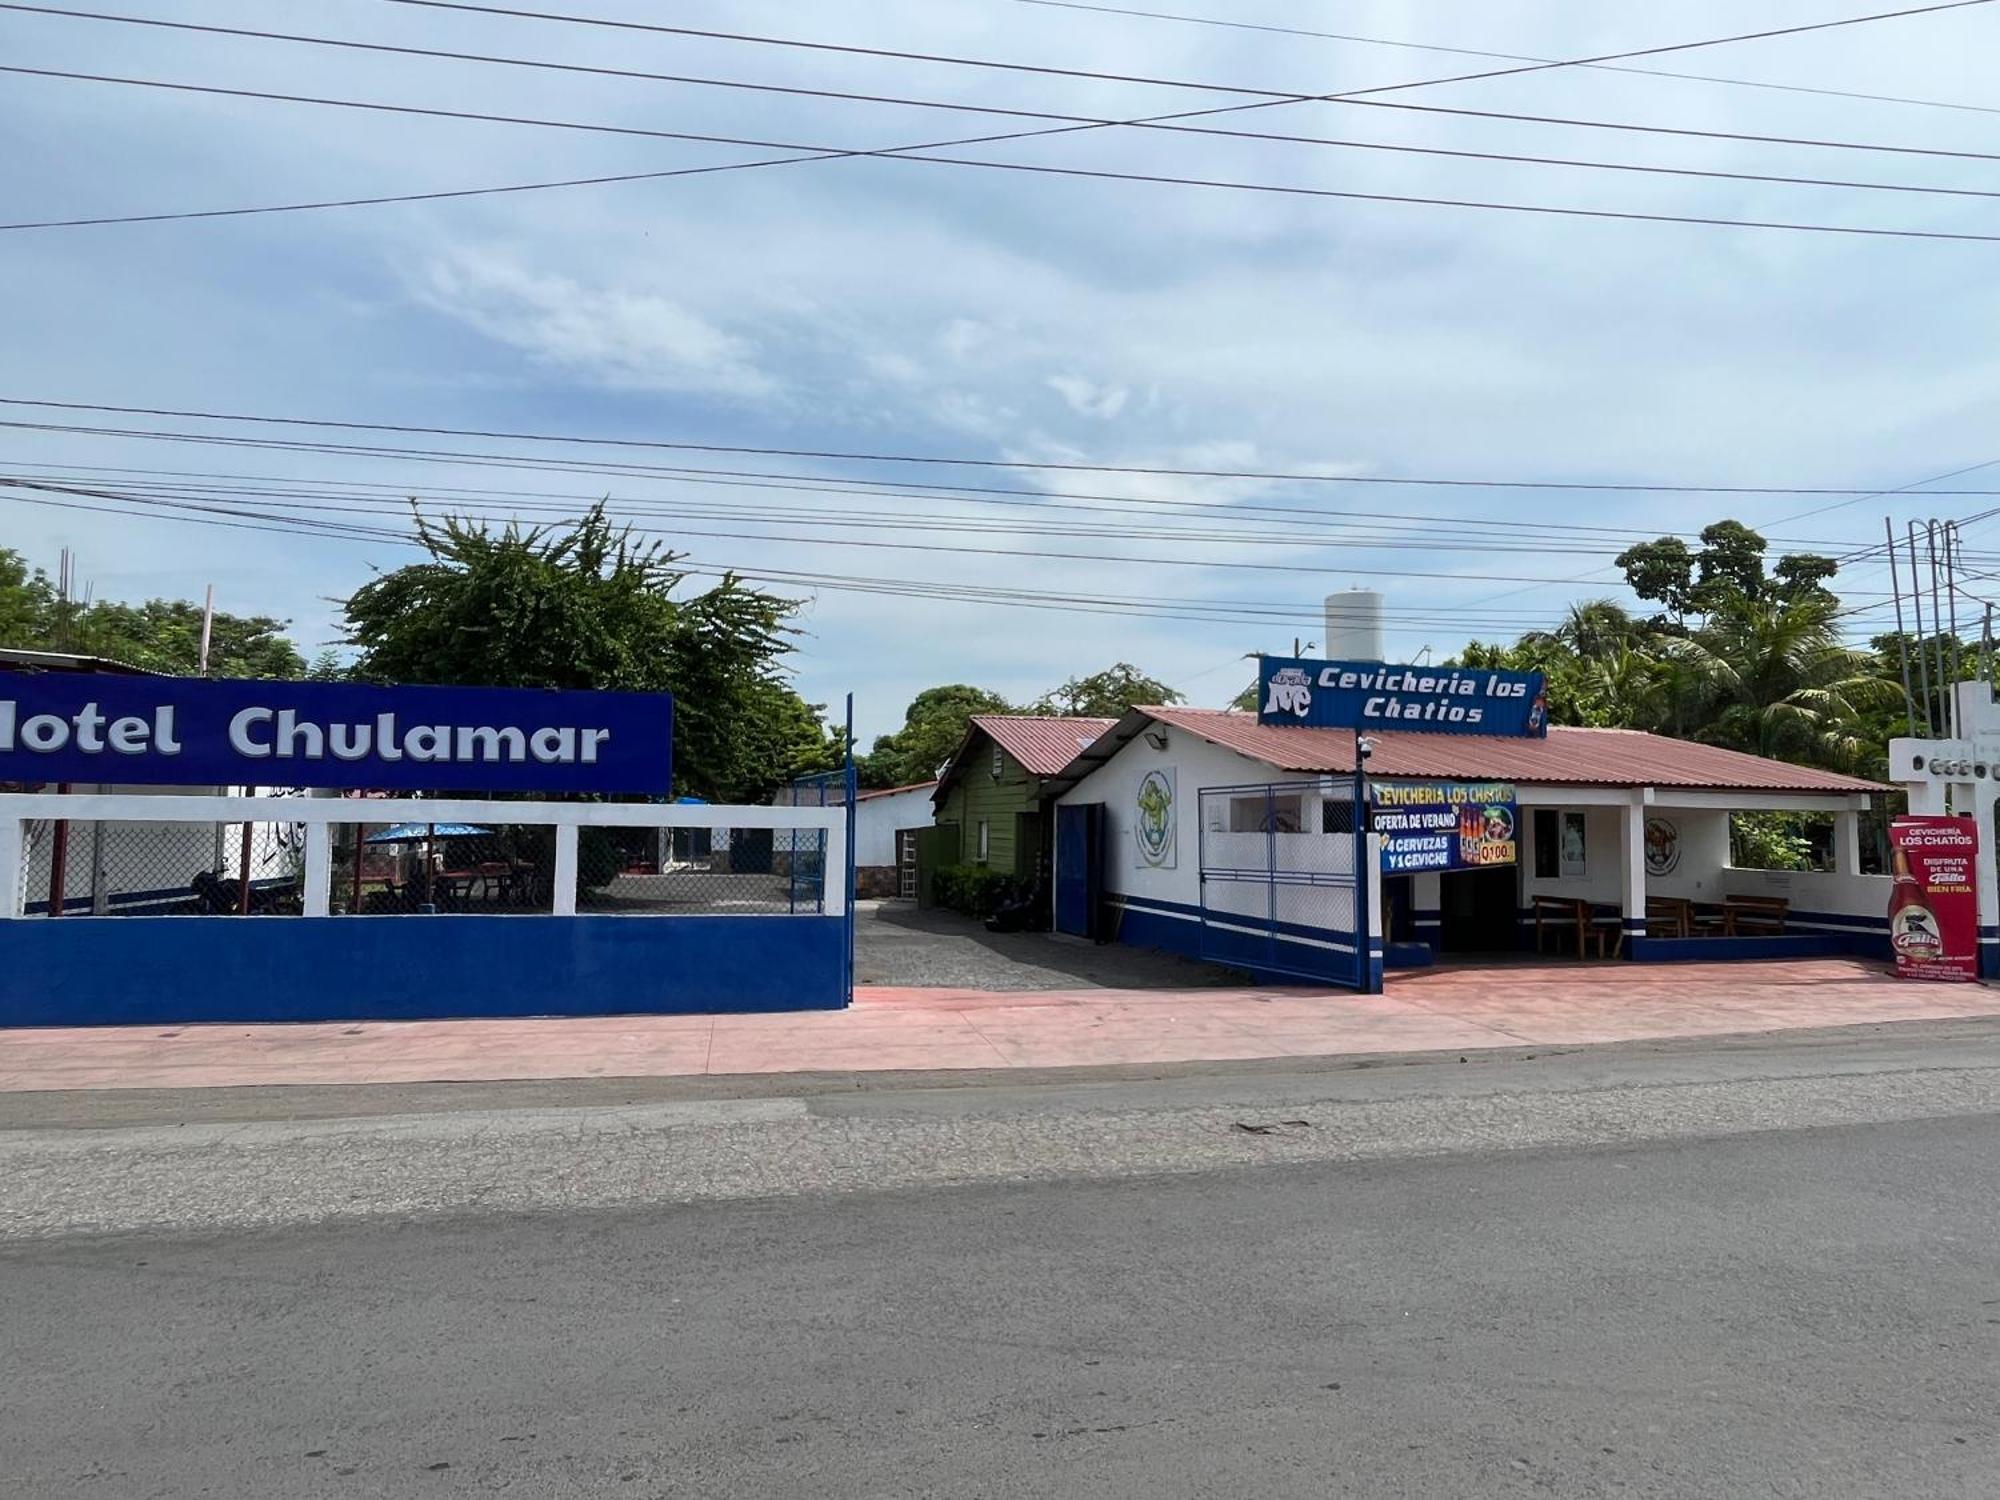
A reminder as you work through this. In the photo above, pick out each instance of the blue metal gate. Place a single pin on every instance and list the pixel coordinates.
(1079, 868)
(1284, 881)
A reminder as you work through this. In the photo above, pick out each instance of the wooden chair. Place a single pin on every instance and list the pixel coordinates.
(1755, 916)
(1669, 917)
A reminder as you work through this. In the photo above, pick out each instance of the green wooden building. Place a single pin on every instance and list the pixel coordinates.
(991, 807)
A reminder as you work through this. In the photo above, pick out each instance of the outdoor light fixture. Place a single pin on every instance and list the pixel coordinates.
(1157, 738)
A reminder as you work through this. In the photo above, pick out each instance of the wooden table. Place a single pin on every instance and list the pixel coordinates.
(1575, 912)
(1669, 916)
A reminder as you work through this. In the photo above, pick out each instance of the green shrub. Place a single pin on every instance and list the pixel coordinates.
(975, 890)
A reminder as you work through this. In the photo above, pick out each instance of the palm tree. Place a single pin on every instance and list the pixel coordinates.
(1778, 682)
(1624, 687)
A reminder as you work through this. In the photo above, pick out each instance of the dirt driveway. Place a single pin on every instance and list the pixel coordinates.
(896, 944)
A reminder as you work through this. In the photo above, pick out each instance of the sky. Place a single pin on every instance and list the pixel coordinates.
(893, 307)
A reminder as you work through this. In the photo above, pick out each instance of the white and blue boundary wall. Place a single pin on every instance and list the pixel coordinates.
(1832, 912)
(135, 969)
(1160, 905)
(1837, 912)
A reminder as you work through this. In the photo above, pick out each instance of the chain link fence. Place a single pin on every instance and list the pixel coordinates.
(109, 869)
(641, 870)
(86, 867)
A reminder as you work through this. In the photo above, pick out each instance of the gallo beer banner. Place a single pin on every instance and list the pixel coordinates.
(1933, 911)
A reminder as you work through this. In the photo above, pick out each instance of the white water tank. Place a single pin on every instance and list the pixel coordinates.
(1354, 626)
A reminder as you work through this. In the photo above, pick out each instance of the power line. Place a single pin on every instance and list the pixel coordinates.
(905, 56)
(959, 461)
(901, 154)
(1376, 41)
(877, 544)
(1340, 533)
(1047, 555)
(818, 154)
(1148, 606)
(1207, 612)
(1400, 148)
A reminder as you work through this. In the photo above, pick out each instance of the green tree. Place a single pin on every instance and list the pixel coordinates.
(1740, 656)
(934, 725)
(162, 635)
(1779, 682)
(590, 607)
(165, 636)
(1661, 571)
(1107, 694)
(27, 602)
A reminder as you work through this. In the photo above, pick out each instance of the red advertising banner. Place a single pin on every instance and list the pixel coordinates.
(1933, 904)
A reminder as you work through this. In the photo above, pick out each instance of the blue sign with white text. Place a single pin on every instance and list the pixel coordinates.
(1367, 695)
(186, 731)
(1444, 825)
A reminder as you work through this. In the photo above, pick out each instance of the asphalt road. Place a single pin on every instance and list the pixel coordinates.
(1749, 1271)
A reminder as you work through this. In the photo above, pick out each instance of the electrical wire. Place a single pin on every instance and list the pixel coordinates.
(1144, 607)
(1037, 501)
(1402, 148)
(905, 56)
(1376, 41)
(818, 155)
(506, 506)
(903, 154)
(1149, 470)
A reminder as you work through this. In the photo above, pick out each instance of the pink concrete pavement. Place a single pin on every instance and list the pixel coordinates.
(901, 1029)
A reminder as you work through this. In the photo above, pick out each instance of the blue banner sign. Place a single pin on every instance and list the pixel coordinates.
(1444, 825)
(1429, 700)
(186, 731)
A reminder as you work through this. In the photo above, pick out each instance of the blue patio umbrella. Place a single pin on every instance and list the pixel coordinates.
(416, 833)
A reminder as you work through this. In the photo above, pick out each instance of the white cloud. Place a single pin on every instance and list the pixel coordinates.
(623, 337)
(1088, 399)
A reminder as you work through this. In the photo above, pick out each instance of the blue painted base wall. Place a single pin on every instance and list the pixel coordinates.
(1786, 945)
(177, 970)
(1176, 928)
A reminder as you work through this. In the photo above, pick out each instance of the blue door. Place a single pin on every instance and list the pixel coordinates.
(1079, 867)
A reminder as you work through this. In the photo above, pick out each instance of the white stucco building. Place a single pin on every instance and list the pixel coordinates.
(1621, 833)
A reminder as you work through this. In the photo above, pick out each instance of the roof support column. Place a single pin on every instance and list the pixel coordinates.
(1633, 882)
(1847, 842)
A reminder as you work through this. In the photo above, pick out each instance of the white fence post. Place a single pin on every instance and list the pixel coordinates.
(563, 897)
(833, 872)
(319, 869)
(13, 872)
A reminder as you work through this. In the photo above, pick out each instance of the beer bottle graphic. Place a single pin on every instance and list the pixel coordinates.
(1913, 930)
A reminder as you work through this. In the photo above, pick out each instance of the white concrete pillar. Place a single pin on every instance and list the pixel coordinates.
(1986, 869)
(1427, 907)
(563, 897)
(1847, 842)
(13, 867)
(833, 875)
(1633, 885)
(319, 869)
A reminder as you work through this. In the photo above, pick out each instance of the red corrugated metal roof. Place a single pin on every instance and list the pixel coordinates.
(1043, 745)
(894, 791)
(1578, 757)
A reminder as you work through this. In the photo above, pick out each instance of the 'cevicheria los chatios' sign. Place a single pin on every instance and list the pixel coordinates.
(179, 731)
(1370, 695)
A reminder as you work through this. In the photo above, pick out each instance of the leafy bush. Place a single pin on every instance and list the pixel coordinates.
(976, 890)
(1780, 841)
